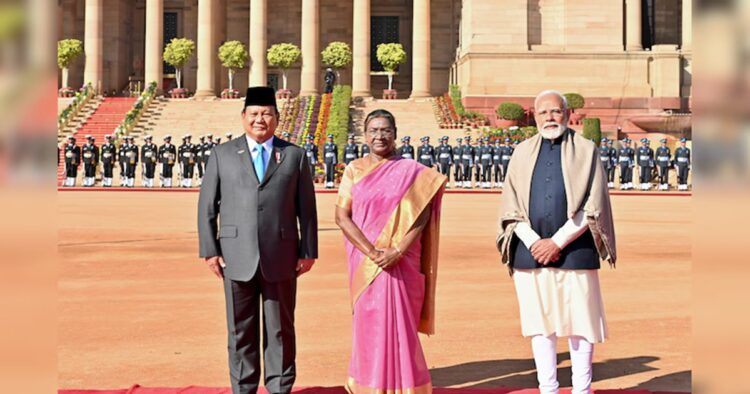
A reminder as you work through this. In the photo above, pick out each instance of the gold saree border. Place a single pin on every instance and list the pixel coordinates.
(352, 387)
(419, 195)
(361, 172)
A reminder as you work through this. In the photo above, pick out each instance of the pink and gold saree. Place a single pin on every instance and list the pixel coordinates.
(390, 307)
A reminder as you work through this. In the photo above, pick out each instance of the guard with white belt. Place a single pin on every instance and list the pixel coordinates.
(131, 162)
(186, 151)
(330, 159)
(109, 152)
(626, 158)
(507, 153)
(167, 158)
(645, 164)
(149, 153)
(663, 162)
(467, 162)
(485, 162)
(311, 151)
(444, 154)
(90, 161)
(604, 156)
(682, 164)
(426, 153)
(406, 150)
(457, 170)
(351, 150)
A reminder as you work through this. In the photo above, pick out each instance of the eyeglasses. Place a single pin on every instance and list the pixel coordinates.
(380, 132)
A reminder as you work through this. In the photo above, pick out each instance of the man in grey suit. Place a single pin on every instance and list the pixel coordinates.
(258, 231)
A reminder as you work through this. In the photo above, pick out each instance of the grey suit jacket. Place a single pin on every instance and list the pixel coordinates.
(254, 223)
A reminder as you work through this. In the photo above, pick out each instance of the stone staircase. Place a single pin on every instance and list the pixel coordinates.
(178, 117)
(414, 118)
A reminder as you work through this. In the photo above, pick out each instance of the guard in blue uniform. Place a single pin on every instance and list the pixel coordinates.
(663, 162)
(444, 154)
(477, 162)
(406, 150)
(497, 165)
(485, 162)
(612, 164)
(457, 168)
(186, 152)
(330, 159)
(122, 159)
(365, 150)
(90, 154)
(72, 161)
(426, 153)
(467, 162)
(109, 153)
(351, 150)
(311, 151)
(149, 154)
(604, 156)
(167, 157)
(682, 164)
(286, 136)
(645, 164)
(507, 154)
(626, 158)
(199, 160)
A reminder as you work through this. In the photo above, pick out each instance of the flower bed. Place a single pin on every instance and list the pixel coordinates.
(81, 98)
(132, 117)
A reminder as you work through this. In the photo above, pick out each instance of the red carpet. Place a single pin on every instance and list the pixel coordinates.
(136, 389)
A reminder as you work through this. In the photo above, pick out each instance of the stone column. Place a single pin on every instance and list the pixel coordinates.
(258, 42)
(361, 49)
(633, 35)
(421, 50)
(154, 68)
(206, 53)
(93, 40)
(310, 47)
(687, 25)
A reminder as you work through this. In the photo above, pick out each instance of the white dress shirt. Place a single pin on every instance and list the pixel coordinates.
(267, 149)
(572, 229)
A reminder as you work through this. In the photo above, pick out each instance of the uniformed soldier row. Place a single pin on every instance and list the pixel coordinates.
(129, 155)
(651, 165)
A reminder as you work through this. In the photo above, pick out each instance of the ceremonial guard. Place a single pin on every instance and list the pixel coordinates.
(682, 164)
(445, 158)
(330, 159)
(167, 157)
(311, 151)
(351, 150)
(132, 161)
(406, 151)
(663, 162)
(72, 161)
(426, 153)
(199, 161)
(122, 159)
(186, 152)
(467, 162)
(604, 156)
(109, 152)
(90, 154)
(228, 135)
(626, 158)
(497, 164)
(365, 150)
(507, 154)
(645, 164)
(477, 162)
(286, 136)
(612, 164)
(457, 170)
(485, 160)
(149, 155)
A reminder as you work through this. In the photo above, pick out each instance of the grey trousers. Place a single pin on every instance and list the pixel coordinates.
(243, 302)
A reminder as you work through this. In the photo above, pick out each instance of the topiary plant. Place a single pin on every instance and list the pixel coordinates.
(510, 111)
(67, 52)
(391, 56)
(233, 56)
(283, 56)
(592, 129)
(337, 55)
(575, 101)
(177, 53)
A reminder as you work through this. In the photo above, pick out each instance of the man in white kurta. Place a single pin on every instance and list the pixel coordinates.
(555, 227)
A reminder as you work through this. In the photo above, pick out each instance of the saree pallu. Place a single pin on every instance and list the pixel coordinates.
(390, 307)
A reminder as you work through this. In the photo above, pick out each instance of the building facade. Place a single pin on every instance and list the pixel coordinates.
(624, 49)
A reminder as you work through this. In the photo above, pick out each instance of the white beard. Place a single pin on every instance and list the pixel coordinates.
(552, 134)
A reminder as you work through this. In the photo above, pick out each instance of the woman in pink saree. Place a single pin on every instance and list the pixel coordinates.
(389, 211)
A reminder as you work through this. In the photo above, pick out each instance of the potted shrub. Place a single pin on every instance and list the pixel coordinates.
(67, 52)
(337, 55)
(592, 129)
(233, 56)
(176, 54)
(391, 56)
(283, 56)
(509, 114)
(575, 101)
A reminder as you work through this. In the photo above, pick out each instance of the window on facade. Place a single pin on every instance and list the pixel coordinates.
(383, 30)
(662, 22)
(170, 32)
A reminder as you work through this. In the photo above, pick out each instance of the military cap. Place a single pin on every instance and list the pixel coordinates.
(663, 140)
(467, 138)
(683, 139)
(604, 139)
(310, 136)
(507, 139)
(458, 139)
(167, 137)
(330, 135)
(407, 138)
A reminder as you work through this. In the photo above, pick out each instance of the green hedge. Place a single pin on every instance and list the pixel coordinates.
(338, 120)
(455, 93)
(511, 111)
(592, 129)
